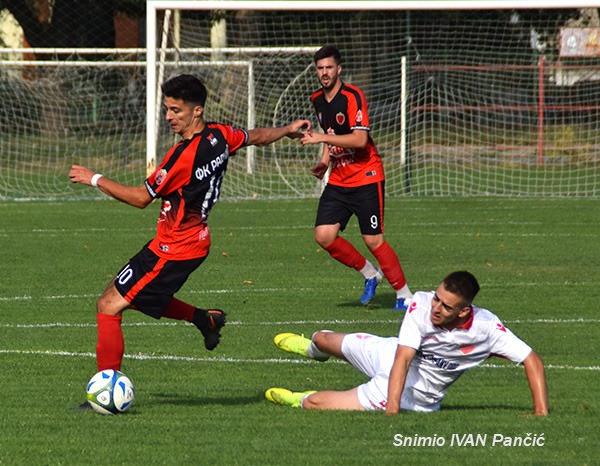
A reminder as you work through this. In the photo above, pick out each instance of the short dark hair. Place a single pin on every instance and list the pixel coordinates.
(328, 51)
(463, 284)
(187, 88)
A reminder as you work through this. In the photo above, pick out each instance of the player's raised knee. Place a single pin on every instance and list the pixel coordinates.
(328, 341)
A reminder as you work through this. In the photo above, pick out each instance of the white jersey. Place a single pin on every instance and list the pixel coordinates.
(441, 355)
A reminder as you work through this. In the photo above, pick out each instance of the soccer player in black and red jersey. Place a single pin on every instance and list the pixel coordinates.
(356, 182)
(188, 182)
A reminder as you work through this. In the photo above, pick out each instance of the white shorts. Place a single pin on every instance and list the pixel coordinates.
(374, 356)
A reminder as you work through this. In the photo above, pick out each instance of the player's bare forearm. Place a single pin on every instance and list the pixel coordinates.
(319, 169)
(402, 360)
(534, 370)
(325, 155)
(357, 139)
(136, 196)
(265, 136)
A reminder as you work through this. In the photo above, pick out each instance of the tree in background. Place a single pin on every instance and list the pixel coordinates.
(67, 24)
(70, 23)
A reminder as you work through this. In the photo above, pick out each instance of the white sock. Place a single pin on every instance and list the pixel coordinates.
(404, 292)
(302, 400)
(315, 353)
(369, 271)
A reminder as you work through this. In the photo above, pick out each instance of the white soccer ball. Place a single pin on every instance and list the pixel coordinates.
(110, 392)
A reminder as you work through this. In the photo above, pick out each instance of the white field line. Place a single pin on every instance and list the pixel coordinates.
(150, 357)
(287, 323)
(278, 230)
(204, 292)
(252, 289)
(306, 230)
(69, 231)
(548, 366)
(266, 360)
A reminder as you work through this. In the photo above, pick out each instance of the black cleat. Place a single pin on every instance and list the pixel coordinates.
(210, 325)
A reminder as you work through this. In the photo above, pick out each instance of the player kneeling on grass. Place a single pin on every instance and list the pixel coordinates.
(442, 335)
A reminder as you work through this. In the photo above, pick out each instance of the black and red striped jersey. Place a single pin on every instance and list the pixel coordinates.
(189, 183)
(346, 112)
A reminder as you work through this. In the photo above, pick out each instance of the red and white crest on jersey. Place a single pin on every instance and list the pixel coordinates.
(340, 118)
(160, 176)
(413, 306)
(359, 117)
(501, 327)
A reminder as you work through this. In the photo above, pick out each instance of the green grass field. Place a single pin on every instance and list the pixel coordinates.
(538, 262)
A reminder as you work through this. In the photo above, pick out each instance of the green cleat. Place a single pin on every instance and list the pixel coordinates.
(282, 396)
(299, 344)
(292, 343)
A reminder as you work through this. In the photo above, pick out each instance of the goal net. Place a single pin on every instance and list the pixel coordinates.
(471, 101)
(464, 98)
(70, 107)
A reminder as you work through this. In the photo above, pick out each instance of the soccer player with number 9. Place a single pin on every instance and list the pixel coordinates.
(356, 184)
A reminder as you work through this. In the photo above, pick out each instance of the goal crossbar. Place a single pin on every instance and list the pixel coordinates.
(316, 5)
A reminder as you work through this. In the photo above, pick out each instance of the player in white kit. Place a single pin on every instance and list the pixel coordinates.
(442, 335)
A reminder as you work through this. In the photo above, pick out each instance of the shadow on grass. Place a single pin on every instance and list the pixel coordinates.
(383, 301)
(486, 407)
(187, 400)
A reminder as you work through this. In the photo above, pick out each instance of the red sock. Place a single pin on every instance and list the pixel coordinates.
(179, 310)
(111, 345)
(390, 265)
(343, 251)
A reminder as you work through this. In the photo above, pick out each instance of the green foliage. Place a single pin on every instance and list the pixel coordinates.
(537, 261)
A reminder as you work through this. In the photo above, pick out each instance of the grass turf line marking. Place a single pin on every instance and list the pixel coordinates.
(270, 290)
(203, 292)
(149, 357)
(286, 228)
(293, 322)
(258, 227)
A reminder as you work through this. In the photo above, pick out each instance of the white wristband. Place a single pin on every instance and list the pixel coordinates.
(95, 179)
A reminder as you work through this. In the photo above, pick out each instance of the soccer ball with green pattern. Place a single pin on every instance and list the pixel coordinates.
(110, 392)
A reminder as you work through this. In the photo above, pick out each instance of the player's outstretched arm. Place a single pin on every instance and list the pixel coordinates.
(136, 196)
(357, 139)
(265, 136)
(402, 360)
(534, 369)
